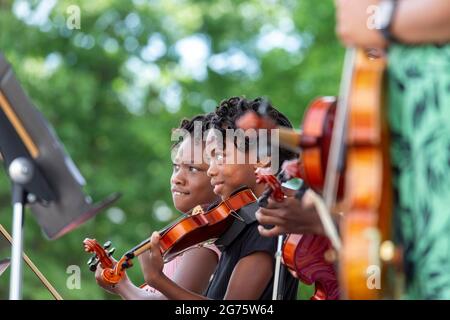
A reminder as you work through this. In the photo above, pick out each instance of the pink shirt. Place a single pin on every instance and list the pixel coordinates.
(171, 267)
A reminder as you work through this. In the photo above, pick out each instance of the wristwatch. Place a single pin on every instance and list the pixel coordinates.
(384, 18)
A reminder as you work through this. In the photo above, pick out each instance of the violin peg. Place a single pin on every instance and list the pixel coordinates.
(91, 260)
(93, 268)
(127, 264)
(111, 252)
(107, 245)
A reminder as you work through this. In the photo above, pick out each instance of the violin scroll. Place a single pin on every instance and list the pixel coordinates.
(112, 272)
(101, 255)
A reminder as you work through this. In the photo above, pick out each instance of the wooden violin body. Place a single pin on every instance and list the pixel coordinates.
(317, 125)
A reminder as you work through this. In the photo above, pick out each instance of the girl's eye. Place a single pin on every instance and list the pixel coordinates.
(175, 167)
(193, 169)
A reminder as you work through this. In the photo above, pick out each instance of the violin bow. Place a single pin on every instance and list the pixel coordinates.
(337, 149)
(32, 266)
(325, 218)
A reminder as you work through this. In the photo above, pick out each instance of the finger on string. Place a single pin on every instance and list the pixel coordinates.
(275, 231)
(155, 243)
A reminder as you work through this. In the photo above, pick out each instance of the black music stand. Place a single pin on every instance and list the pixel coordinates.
(43, 176)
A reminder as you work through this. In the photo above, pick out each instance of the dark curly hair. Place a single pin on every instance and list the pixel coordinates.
(231, 109)
(189, 125)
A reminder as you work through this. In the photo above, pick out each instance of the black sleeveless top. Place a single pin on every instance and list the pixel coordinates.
(244, 242)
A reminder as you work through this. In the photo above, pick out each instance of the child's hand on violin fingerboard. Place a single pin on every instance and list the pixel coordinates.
(152, 261)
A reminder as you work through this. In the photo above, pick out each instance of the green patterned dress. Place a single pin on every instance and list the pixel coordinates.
(419, 116)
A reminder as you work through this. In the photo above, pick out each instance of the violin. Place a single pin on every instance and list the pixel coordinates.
(342, 141)
(304, 255)
(361, 141)
(198, 228)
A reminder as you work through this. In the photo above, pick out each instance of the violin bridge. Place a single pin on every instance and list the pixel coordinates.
(236, 215)
(197, 210)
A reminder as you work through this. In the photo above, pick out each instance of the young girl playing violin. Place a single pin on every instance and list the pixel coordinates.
(246, 266)
(190, 186)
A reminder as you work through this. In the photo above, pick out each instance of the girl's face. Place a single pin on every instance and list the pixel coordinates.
(190, 185)
(227, 174)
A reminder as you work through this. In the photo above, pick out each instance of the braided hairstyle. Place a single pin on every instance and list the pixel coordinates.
(231, 109)
(189, 126)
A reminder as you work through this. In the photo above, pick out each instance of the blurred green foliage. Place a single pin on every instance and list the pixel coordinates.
(115, 88)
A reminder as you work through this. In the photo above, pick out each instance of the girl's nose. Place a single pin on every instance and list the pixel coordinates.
(178, 178)
(212, 170)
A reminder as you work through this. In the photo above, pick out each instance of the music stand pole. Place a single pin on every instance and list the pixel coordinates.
(20, 172)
